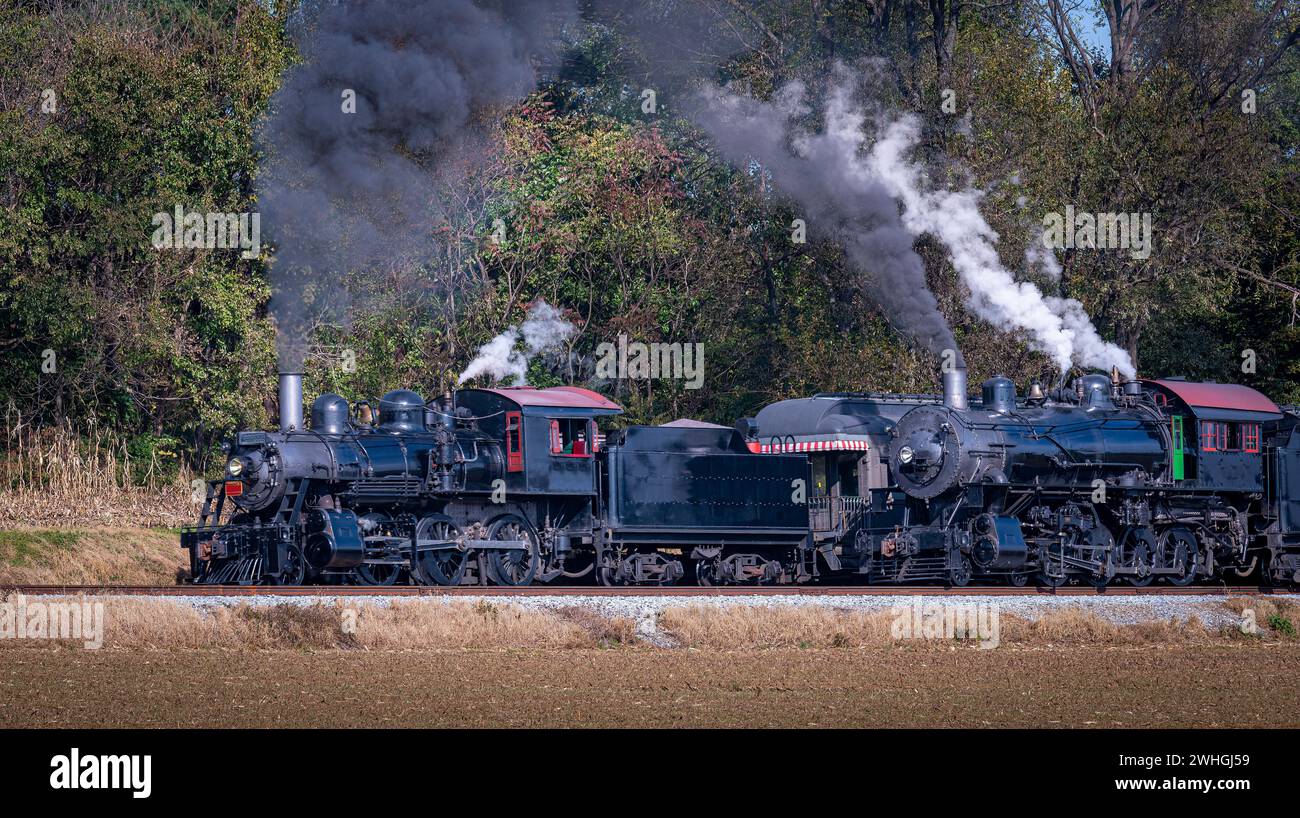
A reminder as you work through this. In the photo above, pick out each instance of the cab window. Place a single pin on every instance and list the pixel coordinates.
(570, 437)
(1218, 436)
(1245, 437)
(514, 442)
(1214, 436)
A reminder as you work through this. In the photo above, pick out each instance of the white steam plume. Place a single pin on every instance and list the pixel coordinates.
(1058, 326)
(815, 170)
(851, 188)
(543, 330)
(1040, 258)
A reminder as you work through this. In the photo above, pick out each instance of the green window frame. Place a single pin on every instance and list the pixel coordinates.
(1176, 433)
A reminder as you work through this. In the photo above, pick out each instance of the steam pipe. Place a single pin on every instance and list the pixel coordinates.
(954, 388)
(291, 402)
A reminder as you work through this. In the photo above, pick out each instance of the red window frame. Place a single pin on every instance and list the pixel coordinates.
(1249, 437)
(1214, 436)
(557, 441)
(514, 441)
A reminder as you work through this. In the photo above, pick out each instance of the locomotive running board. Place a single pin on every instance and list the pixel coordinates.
(470, 545)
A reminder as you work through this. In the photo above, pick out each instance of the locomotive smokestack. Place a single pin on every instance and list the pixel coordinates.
(290, 401)
(954, 388)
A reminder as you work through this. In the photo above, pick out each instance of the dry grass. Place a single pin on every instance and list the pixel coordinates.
(104, 556)
(61, 476)
(604, 630)
(1274, 618)
(422, 624)
(1076, 626)
(743, 627)
(748, 628)
(401, 625)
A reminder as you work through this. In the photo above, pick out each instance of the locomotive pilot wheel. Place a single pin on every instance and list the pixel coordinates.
(376, 573)
(960, 576)
(294, 570)
(513, 566)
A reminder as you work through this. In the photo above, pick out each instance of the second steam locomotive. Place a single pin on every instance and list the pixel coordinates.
(1098, 482)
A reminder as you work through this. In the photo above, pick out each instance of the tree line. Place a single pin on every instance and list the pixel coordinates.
(114, 111)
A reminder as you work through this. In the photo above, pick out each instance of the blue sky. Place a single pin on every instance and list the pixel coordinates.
(1093, 30)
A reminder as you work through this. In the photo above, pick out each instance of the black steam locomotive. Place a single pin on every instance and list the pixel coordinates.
(507, 486)
(1144, 480)
(1104, 480)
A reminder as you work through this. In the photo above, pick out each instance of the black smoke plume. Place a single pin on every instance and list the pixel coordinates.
(837, 200)
(346, 192)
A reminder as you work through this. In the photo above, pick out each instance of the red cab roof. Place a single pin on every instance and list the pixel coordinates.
(1219, 396)
(568, 397)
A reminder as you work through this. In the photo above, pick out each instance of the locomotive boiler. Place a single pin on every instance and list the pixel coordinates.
(326, 500)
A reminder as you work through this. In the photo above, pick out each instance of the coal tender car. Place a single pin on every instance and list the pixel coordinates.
(495, 486)
(1102, 481)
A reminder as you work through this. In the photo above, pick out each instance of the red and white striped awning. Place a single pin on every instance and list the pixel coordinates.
(814, 446)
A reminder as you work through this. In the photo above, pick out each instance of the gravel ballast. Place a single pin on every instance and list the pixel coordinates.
(645, 610)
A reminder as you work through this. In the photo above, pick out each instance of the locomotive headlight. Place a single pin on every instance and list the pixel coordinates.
(905, 455)
(235, 467)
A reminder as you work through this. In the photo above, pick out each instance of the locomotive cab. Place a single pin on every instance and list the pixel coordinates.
(550, 434)
(1216, 432)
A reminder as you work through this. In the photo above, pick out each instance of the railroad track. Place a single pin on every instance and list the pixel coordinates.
(534, 590)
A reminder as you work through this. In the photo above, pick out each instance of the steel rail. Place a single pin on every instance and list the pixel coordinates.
(603, 591)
